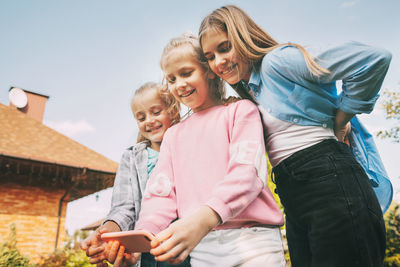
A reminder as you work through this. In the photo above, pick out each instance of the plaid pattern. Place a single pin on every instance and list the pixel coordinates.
(130, 182)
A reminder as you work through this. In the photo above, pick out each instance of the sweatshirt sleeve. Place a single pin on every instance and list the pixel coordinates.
(122, 203)
(159, 201)
(360, 67)
(247, 168)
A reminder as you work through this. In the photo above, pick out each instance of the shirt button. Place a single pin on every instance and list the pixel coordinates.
(324, 125)
(296, 120)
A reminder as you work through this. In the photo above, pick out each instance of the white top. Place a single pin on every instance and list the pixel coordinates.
(283, 139)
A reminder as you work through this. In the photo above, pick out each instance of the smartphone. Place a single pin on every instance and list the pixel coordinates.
(134, 240)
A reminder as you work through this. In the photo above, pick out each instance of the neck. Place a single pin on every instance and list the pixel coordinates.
(212, 103)
(155, 146)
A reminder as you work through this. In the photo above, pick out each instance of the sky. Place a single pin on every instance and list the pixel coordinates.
(90, 56)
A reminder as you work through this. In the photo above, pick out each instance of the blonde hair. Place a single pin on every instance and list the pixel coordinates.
(250, 41)
(172, 105)
(188, 39)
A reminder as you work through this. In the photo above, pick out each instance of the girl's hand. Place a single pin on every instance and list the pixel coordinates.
(343, 133)
(115, 254)
(178, 240)
(342, 126)
(94, 246)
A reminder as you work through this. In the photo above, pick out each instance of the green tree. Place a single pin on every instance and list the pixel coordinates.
(392, 221)
(391, 104)
(9, 253)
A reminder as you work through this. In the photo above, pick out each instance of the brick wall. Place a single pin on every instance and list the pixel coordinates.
(34, 211)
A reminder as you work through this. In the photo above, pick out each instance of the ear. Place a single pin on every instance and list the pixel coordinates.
(211, 75)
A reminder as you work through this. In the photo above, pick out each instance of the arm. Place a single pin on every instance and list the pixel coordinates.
(159, 200)
(121, 213)
(247, 168)
(122, 210)
(361, 69)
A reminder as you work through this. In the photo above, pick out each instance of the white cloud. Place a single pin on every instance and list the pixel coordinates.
(348, 4)
(71, 128)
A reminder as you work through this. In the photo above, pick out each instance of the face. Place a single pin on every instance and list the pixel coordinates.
(222, 58)
(187, 80)
(152, 116)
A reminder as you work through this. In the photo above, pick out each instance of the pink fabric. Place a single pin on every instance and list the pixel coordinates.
(216, 157)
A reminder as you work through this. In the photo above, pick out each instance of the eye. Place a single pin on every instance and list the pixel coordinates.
(140, 118)
(170, 80)
(156, 112)
(186, 73)
(225, 47)
(210, 57)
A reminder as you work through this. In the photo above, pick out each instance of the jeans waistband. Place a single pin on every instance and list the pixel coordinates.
(326, 147)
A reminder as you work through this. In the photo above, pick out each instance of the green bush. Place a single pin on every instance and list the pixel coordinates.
(9, 254)
(66, 257)
(392, 220)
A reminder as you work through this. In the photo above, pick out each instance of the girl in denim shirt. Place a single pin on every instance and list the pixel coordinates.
(333, 216)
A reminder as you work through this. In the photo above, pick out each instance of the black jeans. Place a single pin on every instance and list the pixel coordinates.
(333, 217)
(147, 260)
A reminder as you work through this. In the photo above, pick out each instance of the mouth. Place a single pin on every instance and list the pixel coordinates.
(229, 69)
(154, 129)
(187, 93)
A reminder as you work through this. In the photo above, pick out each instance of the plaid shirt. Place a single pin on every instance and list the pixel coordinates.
(130, 182)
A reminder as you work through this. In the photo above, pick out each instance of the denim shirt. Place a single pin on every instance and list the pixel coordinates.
(286, 89)
(130, 182)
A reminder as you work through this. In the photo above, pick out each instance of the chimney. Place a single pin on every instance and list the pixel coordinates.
(30, 103)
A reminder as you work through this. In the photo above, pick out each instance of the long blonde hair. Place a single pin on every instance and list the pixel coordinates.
(188, 39)
(172, 105)
(250, 41)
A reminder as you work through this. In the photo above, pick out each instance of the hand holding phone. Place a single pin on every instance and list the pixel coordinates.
(134, 240)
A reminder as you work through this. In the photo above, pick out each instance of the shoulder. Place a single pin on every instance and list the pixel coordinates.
(138, 147)
(242, 108)
(282, 56)
(135, 150)
(243, 104)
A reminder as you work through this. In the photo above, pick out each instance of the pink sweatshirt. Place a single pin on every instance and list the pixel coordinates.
(216, 157)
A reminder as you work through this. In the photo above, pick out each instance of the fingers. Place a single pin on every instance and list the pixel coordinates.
(98, 259)
(119, 260)
(85, 244)
(181, 258)
(112, 250)
(158, 247)
(176, 253)
(93, 251)
(102, 264)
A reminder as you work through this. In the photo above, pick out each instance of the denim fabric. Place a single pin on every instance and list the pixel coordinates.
(147, 260)
(333, 217)
(287, 90)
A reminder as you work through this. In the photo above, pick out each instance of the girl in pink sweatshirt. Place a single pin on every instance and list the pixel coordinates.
(211, 174)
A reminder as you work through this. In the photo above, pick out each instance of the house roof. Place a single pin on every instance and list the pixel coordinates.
(23, 137)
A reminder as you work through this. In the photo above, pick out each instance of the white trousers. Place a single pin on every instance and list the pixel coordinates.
(250, 247)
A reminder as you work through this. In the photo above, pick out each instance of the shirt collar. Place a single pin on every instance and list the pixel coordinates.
(254, 82)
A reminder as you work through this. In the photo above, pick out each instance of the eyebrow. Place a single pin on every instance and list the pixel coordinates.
(218, 46)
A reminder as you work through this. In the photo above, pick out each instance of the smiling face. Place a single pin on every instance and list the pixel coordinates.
(187, 79)
(151, 116)
(222, 58)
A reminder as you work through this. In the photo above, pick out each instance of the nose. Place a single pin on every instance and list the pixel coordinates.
(181, 83)
(149, 119)
(219, 60)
